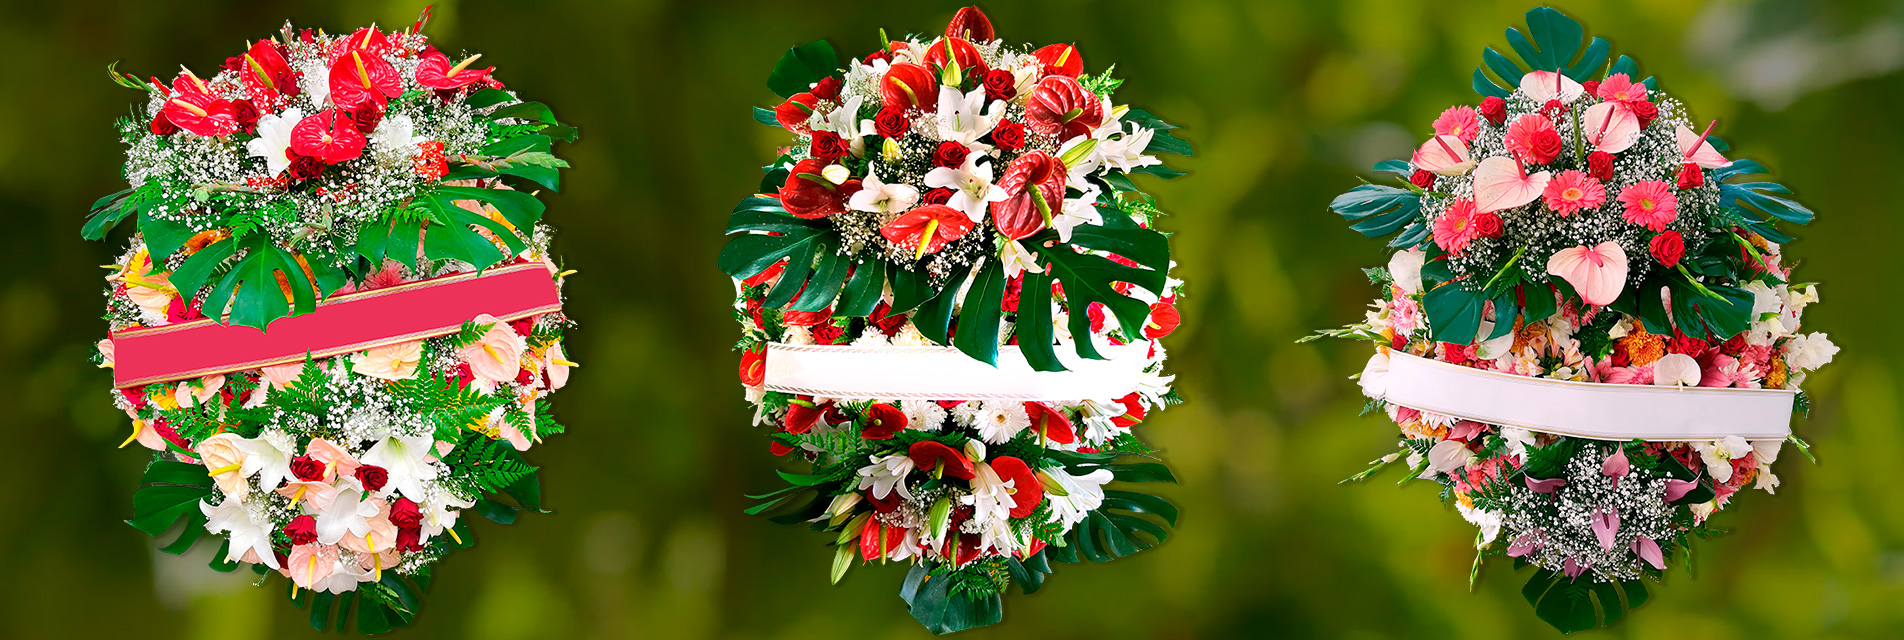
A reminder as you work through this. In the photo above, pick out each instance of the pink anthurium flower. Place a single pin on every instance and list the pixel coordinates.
(1616, 465)
(1648, 550)
(1606, 525)
(1501, 183)
(1611, 126)
(1549, 485)
(1597, 272)
(1445, 155)
(1527, 543)
(1697, 150)
(1676, 489)
(1541, 86)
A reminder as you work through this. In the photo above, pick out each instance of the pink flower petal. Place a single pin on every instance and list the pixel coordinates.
(1611, 126)
(1616, 465)
(1525, 544)
(1500, 184)
(1606, 525)
(1648, 550)
(1706, 157)
(1445, 155)
(1676, 489)
(1598, 273)
(1549, 485)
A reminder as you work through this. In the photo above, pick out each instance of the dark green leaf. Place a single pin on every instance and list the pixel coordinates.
(162, 237)
(766, 117)
(863, 290)
(934, 318)
(1034, 323)
(1454, 313)
(825, 284)
(802, 66)
(911, 288)
(980, 314)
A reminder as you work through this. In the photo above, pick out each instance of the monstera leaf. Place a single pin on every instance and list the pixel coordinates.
(802, 66)
(1378, 210)
(167, 492)
(1552, 43)
(934, 604)
(1748, 200)
(1089, 278)
(770, 235)
(250, 287)
(1579, 604)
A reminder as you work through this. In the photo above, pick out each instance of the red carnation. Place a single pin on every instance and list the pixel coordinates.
(950, 154)
(908, 85)
(1600, 166)
(753, 367)
(892, 123)
(1494, 109)
(882, 421)
(1690, 176)
(1060, 60)
(1062, 107)
(1164, 319)
(829, 146)
(307, 469)
(1027, 492)
(1014, 287)
(327, 135)
(405, 514)
(373, 477)
(1668, 248)
(793, 113)
(1032, 175)
(302, 530)
(809, 195)
(1000, 84)
(1422, 178)
(1009, 135)
(971, 24)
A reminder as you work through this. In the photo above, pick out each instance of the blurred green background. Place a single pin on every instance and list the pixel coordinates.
(1284, 100)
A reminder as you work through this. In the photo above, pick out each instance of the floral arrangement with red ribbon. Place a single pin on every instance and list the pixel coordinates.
(953, 192)
(341, 309)
(1577, 225)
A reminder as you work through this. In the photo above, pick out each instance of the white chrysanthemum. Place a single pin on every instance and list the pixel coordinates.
(999, 422)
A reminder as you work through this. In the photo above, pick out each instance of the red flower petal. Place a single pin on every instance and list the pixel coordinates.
(1018, 216)
(883, 421)
(909, 85)
(1027, 492)
(357, 78)
(929, 454)
(971, 62)
(435, 71)
(1050, 424)
(906, 230)
(971, 24)
(1061, 60)
(1062, 107)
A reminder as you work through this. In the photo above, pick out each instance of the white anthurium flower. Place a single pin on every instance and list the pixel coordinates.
(344, 577)
(397, 132)
(439, 514)
(266, 456)
(971, 185)
(1083, 494)
(232, 518)
(1719, 454)
(1448, 456)
(875, 196)
(348, 515)
(1016, 258)
(406, 460)
(1494, 348)
(1677, 369)
(274, 137)
(846, 123)
(1374, 378)
(1126, 152)
(966, 118)
(886, 475)
(1405, 269)
(1077, 211)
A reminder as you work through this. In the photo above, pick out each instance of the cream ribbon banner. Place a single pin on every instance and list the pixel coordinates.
(1586, 409)
(944, 373)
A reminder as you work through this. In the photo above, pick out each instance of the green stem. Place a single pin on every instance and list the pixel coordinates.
(1696, 284)
(1504, 268)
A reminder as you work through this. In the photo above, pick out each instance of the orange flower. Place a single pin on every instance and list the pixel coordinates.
(1643, 348)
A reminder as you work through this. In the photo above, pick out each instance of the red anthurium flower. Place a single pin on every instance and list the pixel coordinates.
(358, 78)
(1061, 60)
(767, 275)
(802, 414)
(1050, 424)
(886, 504)
(908, 85)
(938, 458)
(928, 228)
(806, 318)
(1163, 320)
(1027, 492)
(968, 548)
(753, 367)
(793, 113)
(367, 41)
(1133, 412)
(202, 114)
(777, 449)
(882, 421)
(1062, 107)
(971, 24)
(435, 71)
(265, 74)
(971, 62)
(1025, 210)
(807, 194)
(327, 135)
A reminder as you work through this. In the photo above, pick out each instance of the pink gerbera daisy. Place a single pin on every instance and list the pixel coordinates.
(1533, 139)
(1455, 228)
(1459, 121)
(1650, 204)
(1573, 191)
(1620, 88)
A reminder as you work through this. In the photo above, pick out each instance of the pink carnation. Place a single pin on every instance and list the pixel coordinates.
(1650, 204)
(1455, 228)
(1573, 191)
(1459, 121)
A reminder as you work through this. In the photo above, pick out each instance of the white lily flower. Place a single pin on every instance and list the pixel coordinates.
(266, 456)
(965, 118)
(1078, 168)
(349, 513)
(886, 475)
(1077, 211)
(991, 497)
(1083, 494)
(439, 514)
(274, 137)
(404, 458)
(1127, 151)
(232, 518)
(876, 196)
(973, 191)
(1719, 454)
(846, 123)
(1016, 258)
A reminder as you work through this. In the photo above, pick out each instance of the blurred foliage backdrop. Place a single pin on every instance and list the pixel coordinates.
(1285, 101)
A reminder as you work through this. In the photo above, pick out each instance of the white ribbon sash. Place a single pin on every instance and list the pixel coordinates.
(945, 373)
(1586, 409)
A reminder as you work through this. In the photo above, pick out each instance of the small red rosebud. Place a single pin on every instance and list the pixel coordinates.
(829, 146)
(302, 530)
(523, 327)
(1592, 87)
(373, 477)
(827, 88)
(307, 469)
(1422, 178)
(1645, 111)
(1668, 248)
(405, 514)
(1600, 166)
(409, 539)
(1494, 109)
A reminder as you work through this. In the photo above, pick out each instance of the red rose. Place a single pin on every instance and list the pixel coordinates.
(1422, 178)
(409, 540)
(1546, 146)
(1690, 176)
(301, 530)
(971, 24)
(809, 195)
(908, 85)
(892, 123)
(1646, 111)
(950, 154)
(938, 195)
(1487, 224)
(1494, 109)
(373, 477)
(464, 375)
(1060, 60)
(885, 320)
(1009, 135)
(1033, 176)
(793, 113)
(1686, 345)
(405, 514)
(827, 88)
(1591, 87)
(1668, 248)
(882, 421)
(247, 115)
(1062, 107)
(1164, 319)
(303, 167)
(753, 367)
(1013, 287)
(307, 469)
(1600, 166)
(163, 127)
(829, 146)
(1000, 84)
(827, 334)
(523, 327)
(1553, 109)
(366, 117)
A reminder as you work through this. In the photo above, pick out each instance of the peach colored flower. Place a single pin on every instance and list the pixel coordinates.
(150, 290)
(393, 362)
(225, 459)
(310, 564)
(497, 356)
(557, 367)
(381, 537)
(283, 374)
(1573, 191)
(341, 463)
(191, 395)
(106, 353)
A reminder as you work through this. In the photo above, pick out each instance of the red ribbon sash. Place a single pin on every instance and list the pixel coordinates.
(342, 324)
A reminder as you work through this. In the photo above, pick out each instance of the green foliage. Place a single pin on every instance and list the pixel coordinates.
(1580, 604)
(250, 288)
(480, 464)
(452, 408)
(802, 66)
(470, 333)
(170, 491)
(1378, 210)
(1556, 40)
(933, 604)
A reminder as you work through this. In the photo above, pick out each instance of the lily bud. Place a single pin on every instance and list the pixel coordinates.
(842, 508)
(952, 76)
(851, 532)
(1052, 488)
(1078, 153)
(939, 517)
(975, 450)
(836, 174)
(842, 560)
(889, 151)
